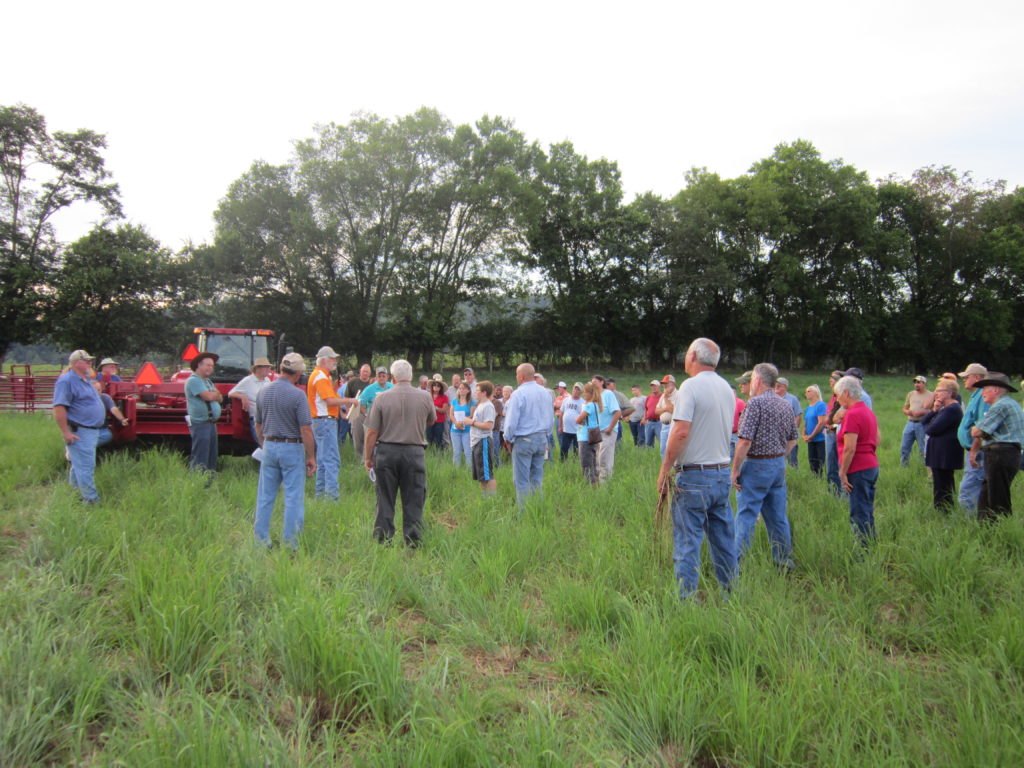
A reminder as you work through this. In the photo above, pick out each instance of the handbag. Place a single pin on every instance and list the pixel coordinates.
(593, 434)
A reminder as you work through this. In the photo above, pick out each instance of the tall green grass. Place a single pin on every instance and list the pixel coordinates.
(149, 631)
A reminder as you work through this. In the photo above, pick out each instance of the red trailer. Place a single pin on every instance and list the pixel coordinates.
(155, 404)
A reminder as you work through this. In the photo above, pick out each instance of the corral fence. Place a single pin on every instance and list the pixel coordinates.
(21, 389)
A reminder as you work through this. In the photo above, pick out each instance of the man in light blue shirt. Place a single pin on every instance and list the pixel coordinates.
(607, 420)
(80, 415)
(369, 393)
(974, 410)
(528, 421)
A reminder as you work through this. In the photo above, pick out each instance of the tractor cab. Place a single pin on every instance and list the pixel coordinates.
(238, 349)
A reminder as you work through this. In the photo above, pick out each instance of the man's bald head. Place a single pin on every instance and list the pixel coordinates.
(525, 372)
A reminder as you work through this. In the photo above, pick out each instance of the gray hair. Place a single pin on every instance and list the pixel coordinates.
(851, 386)
(767, 373)
(401, 370)
(706, 350)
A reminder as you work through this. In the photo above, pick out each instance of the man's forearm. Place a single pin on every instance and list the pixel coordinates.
(369, 444)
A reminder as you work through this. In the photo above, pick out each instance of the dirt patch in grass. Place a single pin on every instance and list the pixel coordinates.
(446, 519)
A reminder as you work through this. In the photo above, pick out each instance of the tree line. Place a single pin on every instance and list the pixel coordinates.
(414, 235)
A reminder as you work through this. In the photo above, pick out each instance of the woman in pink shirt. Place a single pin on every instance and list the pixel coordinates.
(857, 442)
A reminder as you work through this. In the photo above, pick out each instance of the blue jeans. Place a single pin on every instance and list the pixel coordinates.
(862, 503)
(763, 491)
(970, 483)
(328, 459)
(106, 437)
(701, 504)
(651, 431)
(344, 427)
(634, 428)
(567, 442)
(832, 463)
(83, 463)
(204, 446)
(913, 431)
(793, 457)
(284, 464)
(551, 446)
(665, 429)
(528, 464)
(460, 447)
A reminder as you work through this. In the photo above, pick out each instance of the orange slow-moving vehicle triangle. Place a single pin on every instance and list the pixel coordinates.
(189, 353)
(148, 375)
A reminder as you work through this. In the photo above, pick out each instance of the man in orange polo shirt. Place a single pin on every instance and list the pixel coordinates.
(324, 408)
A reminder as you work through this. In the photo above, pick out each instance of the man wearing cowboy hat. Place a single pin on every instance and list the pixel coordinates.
(999, 435)
(108, 371)
(203, 400)
(80, 415)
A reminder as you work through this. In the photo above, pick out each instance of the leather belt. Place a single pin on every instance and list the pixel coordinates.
(284, 439)
(694, 467)
(765, 455)
(324, 417)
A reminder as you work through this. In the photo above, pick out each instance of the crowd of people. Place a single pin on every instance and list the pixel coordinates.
(713, 440)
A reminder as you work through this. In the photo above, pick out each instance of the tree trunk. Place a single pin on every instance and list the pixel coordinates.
(428, 360)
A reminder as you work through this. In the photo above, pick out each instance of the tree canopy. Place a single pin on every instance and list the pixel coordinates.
(414, 235)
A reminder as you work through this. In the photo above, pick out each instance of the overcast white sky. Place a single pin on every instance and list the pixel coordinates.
(190, 94)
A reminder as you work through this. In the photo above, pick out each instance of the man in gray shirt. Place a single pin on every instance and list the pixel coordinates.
(394, 451)
(285, 433)
(698, 450)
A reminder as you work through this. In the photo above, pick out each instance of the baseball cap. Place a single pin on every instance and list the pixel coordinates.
(668, 377)
(974, 369)
(655, 383)
(467, 370)
(293, 362)
(745, 377)
(855, 372)
(577, 385)
(921, 379)
(381, 369)
(80, 354)
(108, 361)
(326, 352)
(562, 384)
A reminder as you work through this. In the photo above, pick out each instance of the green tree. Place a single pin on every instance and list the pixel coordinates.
(462, 230)
(271, 264)
(43, 173)
(570, 219)
(118, 290)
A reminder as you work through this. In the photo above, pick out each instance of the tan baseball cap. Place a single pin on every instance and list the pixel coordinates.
(80, 354)
(294, 362)
(974, 369)
(327, 352)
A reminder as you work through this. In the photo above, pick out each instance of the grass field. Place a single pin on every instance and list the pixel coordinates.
(149, 631)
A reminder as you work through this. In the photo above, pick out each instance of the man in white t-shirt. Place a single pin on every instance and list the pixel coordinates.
(572, 406)
(698, 452)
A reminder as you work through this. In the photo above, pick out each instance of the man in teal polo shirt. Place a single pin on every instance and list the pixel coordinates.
(203, 399)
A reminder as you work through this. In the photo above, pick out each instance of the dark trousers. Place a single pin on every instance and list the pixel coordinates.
(634, 427)
(942, 488)
(588, 460)
(1002, 462)
(816, 456)
(400, 469)
(435, 434)
(567, 442)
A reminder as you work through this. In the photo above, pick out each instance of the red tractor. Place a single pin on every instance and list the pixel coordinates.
(155, 407)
